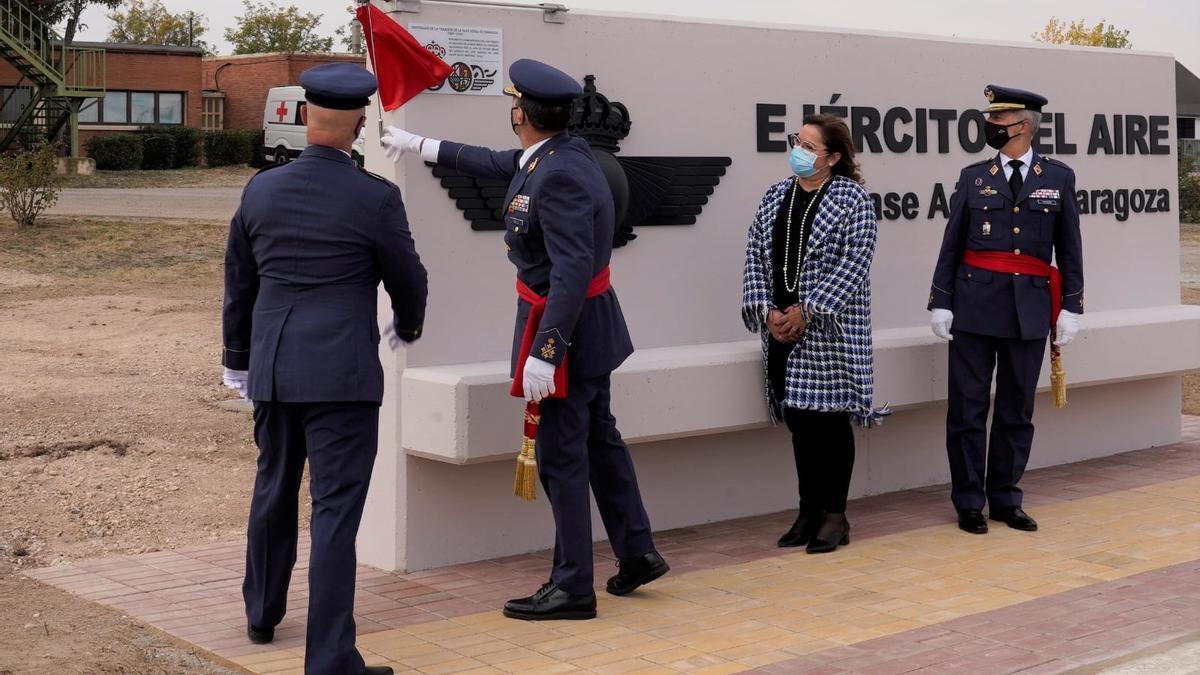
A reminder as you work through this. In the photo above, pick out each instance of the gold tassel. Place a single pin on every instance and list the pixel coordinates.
(1058, 378)
(525, 482)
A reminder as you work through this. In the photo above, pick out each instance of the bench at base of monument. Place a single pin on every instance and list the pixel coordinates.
(680, 407)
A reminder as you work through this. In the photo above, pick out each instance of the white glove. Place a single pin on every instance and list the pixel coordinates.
(539, 379)
(397, 142)
(941, 321)
(1067, 328)
(237, 380)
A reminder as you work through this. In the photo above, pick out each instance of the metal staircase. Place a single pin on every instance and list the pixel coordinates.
(54, 81)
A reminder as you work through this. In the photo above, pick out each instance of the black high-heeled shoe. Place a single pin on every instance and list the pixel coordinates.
(834, 532)
(802, 530)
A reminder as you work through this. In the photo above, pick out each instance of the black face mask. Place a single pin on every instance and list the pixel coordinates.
(510, 119)
(996, 135)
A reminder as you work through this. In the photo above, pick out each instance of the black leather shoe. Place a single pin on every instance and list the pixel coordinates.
(802, 530)
(971, 520)
(552, 603)
(378, 670)
(636, 572)
(1015, 518)
(259, 636)
(834, 532)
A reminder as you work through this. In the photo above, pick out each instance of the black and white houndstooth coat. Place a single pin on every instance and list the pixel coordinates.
(832, 367)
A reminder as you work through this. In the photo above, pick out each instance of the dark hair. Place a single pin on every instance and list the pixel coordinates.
(836, 137)
(544, 116)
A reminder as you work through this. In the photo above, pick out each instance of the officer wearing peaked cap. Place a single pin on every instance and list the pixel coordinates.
(308, 248)
(996, 297)
(559, 218)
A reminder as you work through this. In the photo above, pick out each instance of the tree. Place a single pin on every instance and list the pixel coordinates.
(267, 27)
(55, 12)
(149, 22)
(1059, 32)
(350, 35)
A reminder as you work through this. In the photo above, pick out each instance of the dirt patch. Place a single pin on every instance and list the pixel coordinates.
(190, 177)
(46, 631)
(1190, 273)
(111, 441)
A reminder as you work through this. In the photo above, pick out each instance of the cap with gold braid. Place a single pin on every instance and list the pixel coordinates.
(1006, 98)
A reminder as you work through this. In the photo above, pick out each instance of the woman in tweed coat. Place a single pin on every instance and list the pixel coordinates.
(807, 291)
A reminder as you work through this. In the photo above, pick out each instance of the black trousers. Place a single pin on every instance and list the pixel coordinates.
(981, 474)
(339, 441)
(823, 445)
(578, 445)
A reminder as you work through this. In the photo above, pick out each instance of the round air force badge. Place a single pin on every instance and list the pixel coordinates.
(978, 182)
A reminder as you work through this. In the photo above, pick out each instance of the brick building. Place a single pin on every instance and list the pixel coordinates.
(235, 87)
(152, 84)
(146, 84)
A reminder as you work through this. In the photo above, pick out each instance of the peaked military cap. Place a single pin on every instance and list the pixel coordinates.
(1006, 98)
(340, 86)
(540, 82)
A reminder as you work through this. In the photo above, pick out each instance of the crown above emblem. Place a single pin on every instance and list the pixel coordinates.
(600, 122)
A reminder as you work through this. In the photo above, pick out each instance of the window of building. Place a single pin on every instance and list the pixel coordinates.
(89, 111)
(1187, 127)
(116, 107)
(134, 107)
(142, 108)
(170, 108)
(212, 116)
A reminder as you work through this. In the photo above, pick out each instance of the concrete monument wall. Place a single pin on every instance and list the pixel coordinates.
(690, 401)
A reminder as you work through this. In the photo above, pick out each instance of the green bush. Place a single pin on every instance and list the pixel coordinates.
(229, 147)
(158, 152)
(118, 152)
(1189, 189)
(187, 142)
(29, 183)
(259, 160)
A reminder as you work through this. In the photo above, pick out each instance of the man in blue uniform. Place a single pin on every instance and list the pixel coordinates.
(995, 297)
(308, 248)
(559, 233)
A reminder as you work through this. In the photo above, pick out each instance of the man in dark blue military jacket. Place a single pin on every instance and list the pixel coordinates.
(993, 298)
(559, 219)
(308, 248)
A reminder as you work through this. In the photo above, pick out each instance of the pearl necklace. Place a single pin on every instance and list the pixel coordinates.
(787, 246)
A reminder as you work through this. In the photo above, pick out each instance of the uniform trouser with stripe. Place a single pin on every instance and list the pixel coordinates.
(984, 472)
(578, 445)
(339, 441)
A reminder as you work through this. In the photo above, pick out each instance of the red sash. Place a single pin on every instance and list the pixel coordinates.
(599, 285)
(1011, 263)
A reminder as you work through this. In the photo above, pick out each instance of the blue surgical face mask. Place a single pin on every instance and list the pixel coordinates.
(802, 161)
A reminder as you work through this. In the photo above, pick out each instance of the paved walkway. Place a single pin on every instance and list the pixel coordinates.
(189, 203)
(1113, 573)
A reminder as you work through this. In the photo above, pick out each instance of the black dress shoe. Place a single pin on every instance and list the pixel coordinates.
(802, 530)
(1015, 518)
(378, 670)
(834, 532)
(635, 572)
(971, 520)
(551, 603)
(259, 636)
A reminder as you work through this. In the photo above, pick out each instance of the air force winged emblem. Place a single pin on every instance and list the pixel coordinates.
(646, 191)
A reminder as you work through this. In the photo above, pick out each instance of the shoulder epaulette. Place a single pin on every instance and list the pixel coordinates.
(378, 177)
(980, 162)
(1051, 160)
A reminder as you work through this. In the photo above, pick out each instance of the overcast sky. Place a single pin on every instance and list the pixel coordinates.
(1155, 25)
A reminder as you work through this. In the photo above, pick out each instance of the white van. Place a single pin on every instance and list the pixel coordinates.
(284, 135)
